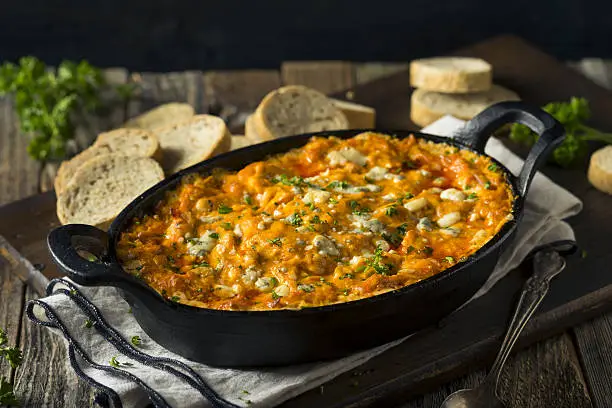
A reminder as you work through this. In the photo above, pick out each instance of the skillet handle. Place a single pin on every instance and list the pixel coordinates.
(477, 132)
(79, 250)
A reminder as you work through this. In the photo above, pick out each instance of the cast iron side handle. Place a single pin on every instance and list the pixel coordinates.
(66, 241)
(477, 132)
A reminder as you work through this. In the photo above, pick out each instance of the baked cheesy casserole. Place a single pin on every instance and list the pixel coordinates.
(333, 221)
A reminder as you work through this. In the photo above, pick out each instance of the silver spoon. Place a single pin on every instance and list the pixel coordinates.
(546, 265)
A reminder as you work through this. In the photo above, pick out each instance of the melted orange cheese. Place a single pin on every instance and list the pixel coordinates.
(333, 221)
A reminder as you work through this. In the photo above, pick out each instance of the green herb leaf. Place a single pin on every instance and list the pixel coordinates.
(305, 287)
(226, 226)
(115, 363)
(88, 323)
(391, 211)
(7, 396)
(342, 185)
(493, 167)
(295, 219)
(248, 200)
(449, 259)
(136, 341)
(472, 196)
(224, 209)
(214, 235)
(276, 241)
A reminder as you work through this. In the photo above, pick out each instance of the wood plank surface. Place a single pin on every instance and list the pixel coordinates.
(155, 89)
(46, 379)
(325, 76)
(594, 340)
(233, 95)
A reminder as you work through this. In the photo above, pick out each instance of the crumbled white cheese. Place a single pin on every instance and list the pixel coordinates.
(416, 204)
(364, 222)
(382, 244)
(339, 157)
(389, 197)
(277, 213)
(425, 224)
(313, 196)
(377, 173)
(449, 219)
(425, 173)
(479, 236)
(452, 194)
(361, 189)
(224, 291)
(325, 246)
(435, 190)
(261, 226)
(251, 274)
(282, 290)
(355, 260)
(264, 284)
(209, 219)
(450, 231)
(300, 241)
(238, 231)
(438, 181)
(204, 244)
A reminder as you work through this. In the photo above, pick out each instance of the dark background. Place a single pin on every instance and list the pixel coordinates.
(164, 35)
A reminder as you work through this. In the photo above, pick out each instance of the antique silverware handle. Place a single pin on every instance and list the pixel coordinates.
(546, 264)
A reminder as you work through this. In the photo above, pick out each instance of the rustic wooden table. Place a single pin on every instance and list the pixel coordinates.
(563, 371)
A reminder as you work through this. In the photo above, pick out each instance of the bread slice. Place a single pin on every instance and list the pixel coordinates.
(427, 107)
(295, 109)
(600, 169)
(131, 142)
(162, 115)
(240, 141)
(187, 143)
(104, 186)
(358, 116)
(451, 74)
(250, 132)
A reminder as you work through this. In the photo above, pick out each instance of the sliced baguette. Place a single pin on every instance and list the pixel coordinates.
(131, 142)
(187, 143)
(451, 74)
(103, 186)
(240, 141)
(250, 132)
(295, 109)
(427, 107)
(358, 116)
(600, 169)
(162, 115)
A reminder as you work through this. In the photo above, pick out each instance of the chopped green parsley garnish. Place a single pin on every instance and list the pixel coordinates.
(305, 288)
(342, 185)
(295, 219)
(315, 220)
(487, 185)
(276, 241)
(115, 363)
(472, 196)
(391, 211)
(275, 295)
(493, 167)
(248, 200)
(175, 299)
(224, 209)
(226, 225)
(375, 262)
(427, 250)
(332, 200)
(136, 341)
(88, 323)
(449, 259)
(214, 235)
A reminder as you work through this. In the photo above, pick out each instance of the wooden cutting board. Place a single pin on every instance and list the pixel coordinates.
(470, 337)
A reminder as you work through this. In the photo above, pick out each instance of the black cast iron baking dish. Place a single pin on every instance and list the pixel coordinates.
(283, 337)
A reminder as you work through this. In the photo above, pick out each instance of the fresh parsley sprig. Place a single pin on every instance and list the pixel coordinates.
(14, 357)
(47, 100)
(572, 115)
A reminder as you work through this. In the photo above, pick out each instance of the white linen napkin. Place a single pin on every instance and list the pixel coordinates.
(547, 204)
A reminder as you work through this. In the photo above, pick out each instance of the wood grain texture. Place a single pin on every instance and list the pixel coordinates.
(12, 292)
(371, 71)
(233, 95)
(46, 379)
(594, 341)
(325, 76)
(18, 172)
(542, 376)
(155, 89)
